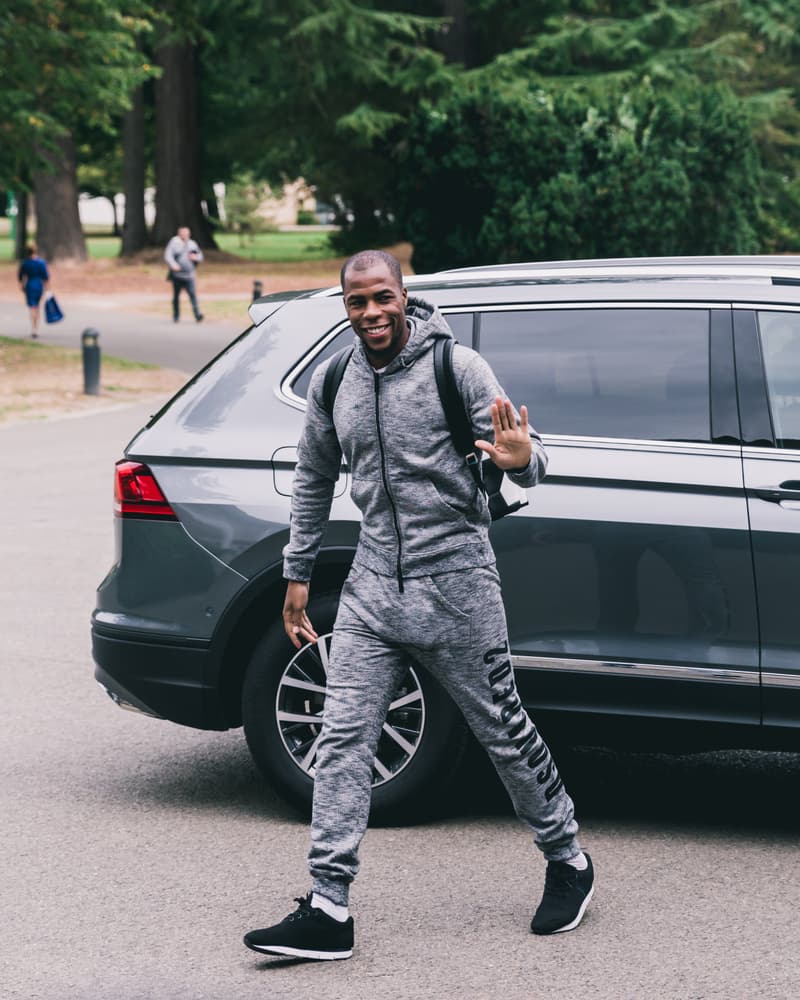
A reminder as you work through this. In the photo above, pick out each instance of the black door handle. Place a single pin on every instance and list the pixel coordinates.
(788, 490)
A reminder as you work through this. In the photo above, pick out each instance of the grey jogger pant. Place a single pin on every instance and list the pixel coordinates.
(453, 624)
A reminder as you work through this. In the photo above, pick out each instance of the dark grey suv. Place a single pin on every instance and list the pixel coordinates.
(649, 585)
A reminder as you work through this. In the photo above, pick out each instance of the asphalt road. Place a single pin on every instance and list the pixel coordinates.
(149, 337)
(135, 853)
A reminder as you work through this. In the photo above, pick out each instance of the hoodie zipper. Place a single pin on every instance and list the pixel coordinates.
(385, 478)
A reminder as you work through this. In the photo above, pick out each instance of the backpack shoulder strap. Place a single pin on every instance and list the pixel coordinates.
(333, 377)
(453, 404)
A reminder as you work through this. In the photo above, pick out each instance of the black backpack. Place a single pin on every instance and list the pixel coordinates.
(488, 477)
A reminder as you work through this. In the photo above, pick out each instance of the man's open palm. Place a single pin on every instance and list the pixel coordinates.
(512, 442)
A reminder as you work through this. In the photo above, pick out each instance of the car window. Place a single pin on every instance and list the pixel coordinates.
(460, 324)
(342, 339)
(619, 373)
(780, 345)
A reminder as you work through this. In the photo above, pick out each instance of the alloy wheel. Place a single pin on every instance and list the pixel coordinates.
(299, 705)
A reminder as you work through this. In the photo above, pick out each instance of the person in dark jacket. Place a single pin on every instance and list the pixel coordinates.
(33, 278)
(423, 587)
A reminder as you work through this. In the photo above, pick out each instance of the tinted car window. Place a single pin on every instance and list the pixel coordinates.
(620, 373)
(780, 344)
(460, 324)
(342, 339)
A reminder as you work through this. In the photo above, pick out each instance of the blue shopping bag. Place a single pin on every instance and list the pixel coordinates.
(52, 310)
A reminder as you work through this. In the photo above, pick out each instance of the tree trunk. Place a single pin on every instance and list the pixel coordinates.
(456, 42)
(58, 226)
(134, 228)
(21, 238)
(178, 175)
(115, 224)
(211, 204)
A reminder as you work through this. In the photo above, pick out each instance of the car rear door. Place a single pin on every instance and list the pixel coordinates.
(628, 580)
(768, 372)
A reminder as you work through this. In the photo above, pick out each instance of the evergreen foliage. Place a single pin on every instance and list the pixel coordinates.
(521, 173)
(557, 128)
(66, 65)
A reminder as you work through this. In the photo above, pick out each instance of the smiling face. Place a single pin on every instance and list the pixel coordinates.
(376, 307)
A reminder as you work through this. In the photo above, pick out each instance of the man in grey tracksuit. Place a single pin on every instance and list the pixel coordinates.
(423, 587)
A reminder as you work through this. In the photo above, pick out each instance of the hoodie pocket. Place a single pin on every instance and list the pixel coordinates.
(451, 503)
(424, 506)
(430, 524)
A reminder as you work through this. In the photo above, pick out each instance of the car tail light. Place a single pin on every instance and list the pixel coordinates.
(137, 494)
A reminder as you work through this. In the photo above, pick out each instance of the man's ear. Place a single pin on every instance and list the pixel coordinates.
(405, 294)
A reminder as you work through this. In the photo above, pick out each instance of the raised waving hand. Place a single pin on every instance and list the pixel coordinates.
(512, 442)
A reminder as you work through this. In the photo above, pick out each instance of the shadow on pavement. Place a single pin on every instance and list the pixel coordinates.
(745, 789)
(213, 776)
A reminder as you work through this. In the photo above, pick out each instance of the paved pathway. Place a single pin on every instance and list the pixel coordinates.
(135, 336)
(135, 852)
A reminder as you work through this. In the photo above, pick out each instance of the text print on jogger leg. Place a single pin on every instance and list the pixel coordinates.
(530, 743)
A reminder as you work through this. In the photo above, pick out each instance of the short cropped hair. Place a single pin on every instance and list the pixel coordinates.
(365, 259)
(30, 250)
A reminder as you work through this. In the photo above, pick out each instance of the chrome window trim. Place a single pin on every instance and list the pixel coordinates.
(769, 306)
(777, 454)
(773, 680)
(653, 671)
(640, 444)
(561, 304)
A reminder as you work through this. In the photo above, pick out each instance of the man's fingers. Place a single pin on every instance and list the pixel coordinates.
(301, 633)
(503, 418)
(499, 407)
(523, 419)
(497, 426)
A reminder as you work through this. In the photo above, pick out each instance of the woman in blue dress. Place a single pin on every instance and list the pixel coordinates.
(33, 278)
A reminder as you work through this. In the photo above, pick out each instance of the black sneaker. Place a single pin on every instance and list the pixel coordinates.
(306, 933)
(567, 892)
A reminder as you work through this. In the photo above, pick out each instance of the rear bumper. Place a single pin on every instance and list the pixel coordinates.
(162, 679)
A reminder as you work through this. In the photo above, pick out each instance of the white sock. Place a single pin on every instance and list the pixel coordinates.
(579, 862)
(334, 910)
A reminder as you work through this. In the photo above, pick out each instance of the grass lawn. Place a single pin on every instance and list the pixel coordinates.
(42, 380)
(276, 247)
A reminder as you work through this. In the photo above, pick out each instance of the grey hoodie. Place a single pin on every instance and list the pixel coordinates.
(177, 252)
(421, 510)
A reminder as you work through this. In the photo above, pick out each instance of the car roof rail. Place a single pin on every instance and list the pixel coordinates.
(755, 261)
(777, 269)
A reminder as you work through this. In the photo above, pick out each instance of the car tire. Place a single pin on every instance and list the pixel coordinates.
(282, 721)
